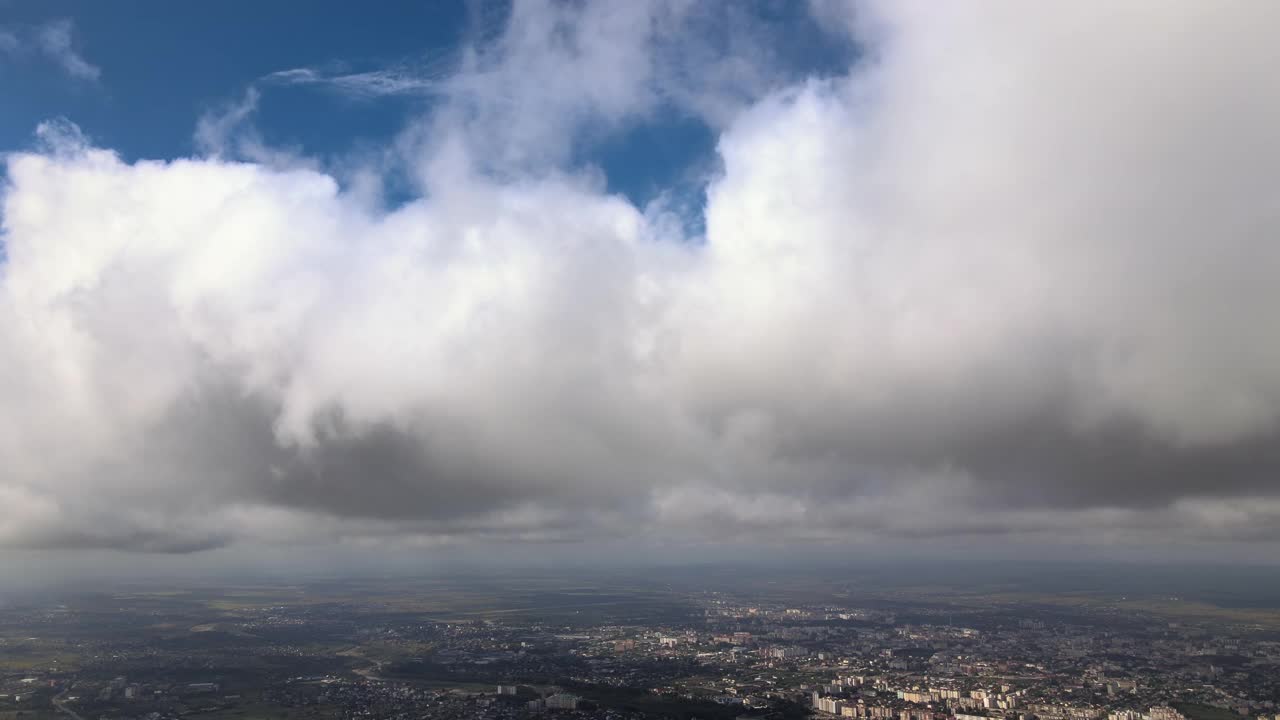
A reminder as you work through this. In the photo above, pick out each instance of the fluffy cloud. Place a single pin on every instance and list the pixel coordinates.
(1008, 275)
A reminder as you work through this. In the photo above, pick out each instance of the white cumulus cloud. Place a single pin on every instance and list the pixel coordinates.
(1008, 274)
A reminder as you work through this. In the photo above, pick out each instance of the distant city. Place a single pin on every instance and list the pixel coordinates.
(631, 647)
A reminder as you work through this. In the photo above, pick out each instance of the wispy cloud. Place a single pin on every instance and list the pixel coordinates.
(55, 42)
(404, 79)
(228, 132)
(9, 43)
(52, 41)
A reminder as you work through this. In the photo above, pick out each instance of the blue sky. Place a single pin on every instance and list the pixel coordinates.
(163, 65)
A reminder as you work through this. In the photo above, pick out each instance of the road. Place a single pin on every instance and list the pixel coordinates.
(59, 702)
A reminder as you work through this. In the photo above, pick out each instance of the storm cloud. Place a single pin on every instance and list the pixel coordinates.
(1010, 274)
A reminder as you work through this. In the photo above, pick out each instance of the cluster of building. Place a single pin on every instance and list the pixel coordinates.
(721, 656)
(559, 701)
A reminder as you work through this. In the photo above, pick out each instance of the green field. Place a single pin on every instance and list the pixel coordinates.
(1196, 711)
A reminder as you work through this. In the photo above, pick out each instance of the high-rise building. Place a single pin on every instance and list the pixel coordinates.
(830, 705)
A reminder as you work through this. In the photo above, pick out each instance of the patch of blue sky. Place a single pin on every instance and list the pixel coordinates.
(163, 65)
